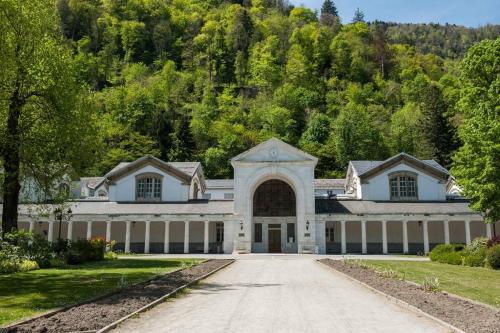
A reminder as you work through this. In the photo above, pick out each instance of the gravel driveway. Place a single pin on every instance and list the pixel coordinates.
(279, 295)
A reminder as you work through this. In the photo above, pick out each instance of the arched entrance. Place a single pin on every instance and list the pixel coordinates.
(274, 218)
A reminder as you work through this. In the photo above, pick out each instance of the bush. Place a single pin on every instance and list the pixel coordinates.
(28, 265)
(84, 250)
(110, 255)
(475, 253)
(493, 256)
(41, 251)
(58, 263)
(493, 241)
(10, 258)
(448, 254)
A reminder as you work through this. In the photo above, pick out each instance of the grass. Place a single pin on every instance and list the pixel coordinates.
(27, 294)
(476, 283)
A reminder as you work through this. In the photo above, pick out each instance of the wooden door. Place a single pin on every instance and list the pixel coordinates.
(274, 241)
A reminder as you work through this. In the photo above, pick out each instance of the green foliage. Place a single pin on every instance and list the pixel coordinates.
(476, 164)
(447, 254)
(186, 80)
(82, 251)
(28, 265)
(493, 256)
(475, 253)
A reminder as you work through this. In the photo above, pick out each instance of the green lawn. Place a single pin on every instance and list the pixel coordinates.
(476, 283)
(26, 294)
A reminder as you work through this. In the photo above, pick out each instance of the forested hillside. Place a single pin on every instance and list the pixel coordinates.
(207, 79)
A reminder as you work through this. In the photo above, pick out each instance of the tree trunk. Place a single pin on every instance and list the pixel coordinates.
(11, 159)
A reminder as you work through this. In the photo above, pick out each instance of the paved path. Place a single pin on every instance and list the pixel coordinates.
(279, 295)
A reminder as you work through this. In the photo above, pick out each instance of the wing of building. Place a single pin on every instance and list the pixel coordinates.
(273, 204)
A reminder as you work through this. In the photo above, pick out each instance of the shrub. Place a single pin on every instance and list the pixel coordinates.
(58, 262)
(493, 256)
(28, 265)
(475, 253)
(493, 241)
(430, 283)
(10, 258)
(84, 250)
(41, 251)
(448, 254)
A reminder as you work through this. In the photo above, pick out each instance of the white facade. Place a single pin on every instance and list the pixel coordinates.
(306, 215)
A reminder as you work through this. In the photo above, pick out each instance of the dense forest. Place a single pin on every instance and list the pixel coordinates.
(206, 80)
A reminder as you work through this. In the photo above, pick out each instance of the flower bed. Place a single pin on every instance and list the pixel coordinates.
(464, 314)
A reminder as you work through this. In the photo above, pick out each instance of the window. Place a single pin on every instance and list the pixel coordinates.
(207, 196)
(219, 228)
(329, 235)
(102, 193)
(290, 232)
(258, 233)
(91, 192)
(228, 196)
(403, 186)
(148, 187)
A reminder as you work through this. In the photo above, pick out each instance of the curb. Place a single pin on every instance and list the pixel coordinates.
(396, 301)
(161, 299)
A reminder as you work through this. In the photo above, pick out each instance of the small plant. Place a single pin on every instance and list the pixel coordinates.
(123, 282)
(28, 265)
(388, 273)
(430, 284)
(110, 255)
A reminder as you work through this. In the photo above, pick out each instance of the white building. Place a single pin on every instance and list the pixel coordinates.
(274, 204)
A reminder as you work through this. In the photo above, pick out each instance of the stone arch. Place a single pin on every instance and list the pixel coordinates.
(274, 197)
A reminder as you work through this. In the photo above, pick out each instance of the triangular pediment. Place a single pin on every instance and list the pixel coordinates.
(274, 150)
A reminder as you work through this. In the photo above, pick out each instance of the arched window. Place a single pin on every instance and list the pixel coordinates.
(148, 187)
(403, 186)
(102, 193)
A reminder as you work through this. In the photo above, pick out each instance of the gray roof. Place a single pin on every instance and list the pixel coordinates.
(334, 206)
(178, 208)
(363, 166)
(119, 166)
(329, 183)
(187, 167)
(219, 183)
(91, 182)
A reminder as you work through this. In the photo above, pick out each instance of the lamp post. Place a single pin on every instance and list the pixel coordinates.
(60, 215)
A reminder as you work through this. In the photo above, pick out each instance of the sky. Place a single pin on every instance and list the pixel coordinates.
(470, 13)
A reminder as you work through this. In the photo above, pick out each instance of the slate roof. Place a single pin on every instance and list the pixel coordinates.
(91, 182)
(187, 167)
(177, 208)
(219, 183)
(329, 183)
(362, 167)
(354, 207)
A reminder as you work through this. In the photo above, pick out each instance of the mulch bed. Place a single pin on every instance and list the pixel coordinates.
(465, 315)
(95, 315)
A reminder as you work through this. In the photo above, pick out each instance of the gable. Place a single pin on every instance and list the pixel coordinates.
(431, 169)
(274, 150)
(142, 163)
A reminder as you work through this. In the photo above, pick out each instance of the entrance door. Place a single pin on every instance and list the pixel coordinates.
(274, 241)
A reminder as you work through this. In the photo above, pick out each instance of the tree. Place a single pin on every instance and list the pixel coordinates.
(359, 16)
(329, 7)
(46, 121)
(436, 129)
(476, 164)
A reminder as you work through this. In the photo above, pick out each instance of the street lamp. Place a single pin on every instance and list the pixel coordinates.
(60, 215)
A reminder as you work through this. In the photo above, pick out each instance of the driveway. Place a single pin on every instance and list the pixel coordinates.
(279, 294)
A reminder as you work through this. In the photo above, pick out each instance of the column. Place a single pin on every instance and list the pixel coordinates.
(32, 226)
(384, 237)
(489, 233)
(343, 238)
(50, 233)
(425, 230)
(405, 236)
(166, 240)
(147, 233)
(108, 231)
(89, 230)
(186, 236)
(69, 236)
(363, 237)
(446, 225)
(205, 239)
(467, 231)
(127, 237)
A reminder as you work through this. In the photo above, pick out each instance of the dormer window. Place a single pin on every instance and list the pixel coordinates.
(148, 187)
(403, 186)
